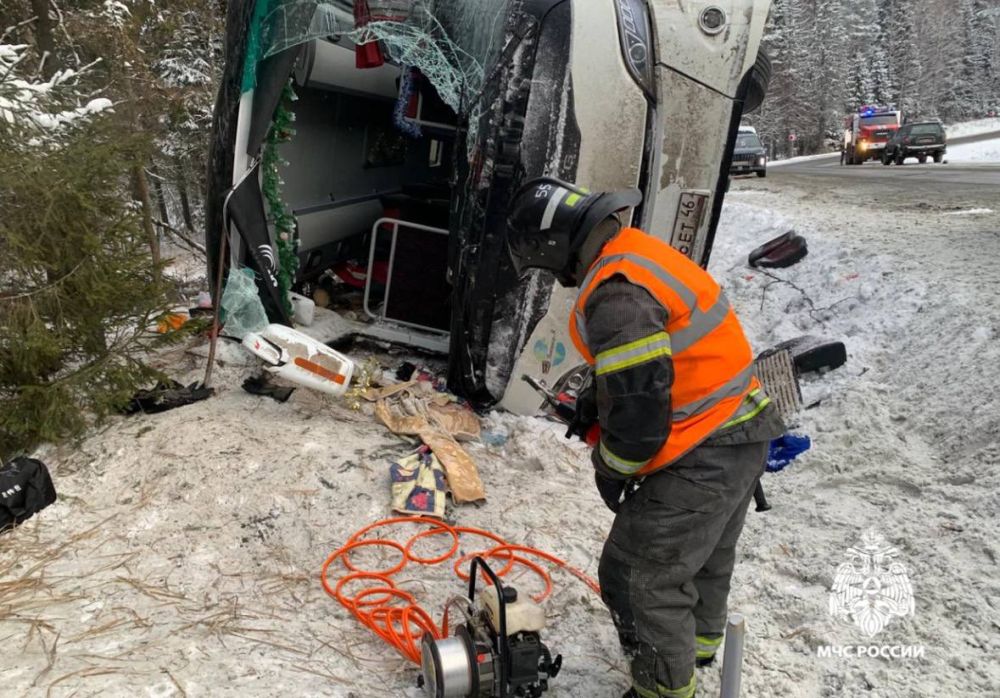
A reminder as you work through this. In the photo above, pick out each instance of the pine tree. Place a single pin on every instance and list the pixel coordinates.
(904, 58)
(78, 291)
(930, 58)
(79, 288)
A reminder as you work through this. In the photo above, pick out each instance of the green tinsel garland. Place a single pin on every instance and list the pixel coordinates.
(284, 222)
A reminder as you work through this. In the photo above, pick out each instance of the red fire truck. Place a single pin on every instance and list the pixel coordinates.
(867, 132)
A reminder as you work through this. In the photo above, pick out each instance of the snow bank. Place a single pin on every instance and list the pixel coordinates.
(802, 158)
(971, 212)
(906, 441)
(981, 151)
(973, 128)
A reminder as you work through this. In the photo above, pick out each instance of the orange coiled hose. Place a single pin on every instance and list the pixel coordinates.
(393, 614)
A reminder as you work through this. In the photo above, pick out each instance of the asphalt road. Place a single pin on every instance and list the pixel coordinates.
(911, 174)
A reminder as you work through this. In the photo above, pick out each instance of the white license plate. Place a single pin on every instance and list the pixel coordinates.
(690, 214)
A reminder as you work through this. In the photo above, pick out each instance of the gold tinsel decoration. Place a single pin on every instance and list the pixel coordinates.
(365, 378)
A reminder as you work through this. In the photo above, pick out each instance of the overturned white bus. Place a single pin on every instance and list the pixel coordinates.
(416, 120)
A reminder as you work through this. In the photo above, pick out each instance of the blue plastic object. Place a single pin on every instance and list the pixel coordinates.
(784, 450)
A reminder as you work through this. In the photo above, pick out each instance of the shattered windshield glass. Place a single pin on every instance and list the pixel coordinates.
(292, 22)
(455, 44)
(452, 42)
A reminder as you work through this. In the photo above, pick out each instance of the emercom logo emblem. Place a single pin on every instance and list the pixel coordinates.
(872, 587)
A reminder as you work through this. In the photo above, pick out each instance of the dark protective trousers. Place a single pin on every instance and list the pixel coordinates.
(667, 563)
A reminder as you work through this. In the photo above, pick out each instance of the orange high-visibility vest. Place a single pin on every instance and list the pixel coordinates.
(714, 381)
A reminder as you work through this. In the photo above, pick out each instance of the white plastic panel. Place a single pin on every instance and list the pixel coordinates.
(699, 75)
(335, 224)
(717, 60)
(331, 66)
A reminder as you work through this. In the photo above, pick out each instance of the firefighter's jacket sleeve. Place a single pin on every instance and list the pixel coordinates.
(633, 373)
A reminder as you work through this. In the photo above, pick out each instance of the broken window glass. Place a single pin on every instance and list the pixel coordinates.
(450, 41)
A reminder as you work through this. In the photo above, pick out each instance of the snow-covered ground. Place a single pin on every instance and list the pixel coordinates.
(802, 158)
(183, 556)
(983, 151)
(973, 128)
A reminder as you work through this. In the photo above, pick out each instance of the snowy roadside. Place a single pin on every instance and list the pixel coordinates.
(183, 556)
(906, 438)
(976, 127)
(982, 151)
(802, 158)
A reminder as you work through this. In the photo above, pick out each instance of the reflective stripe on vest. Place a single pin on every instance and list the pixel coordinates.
(633, 353)
(737, 386)
(752, 405)
(702, 323)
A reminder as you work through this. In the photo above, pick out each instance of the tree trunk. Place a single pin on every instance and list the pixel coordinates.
(161, 199)
(45, 29)
(182, 191)
(141, 184)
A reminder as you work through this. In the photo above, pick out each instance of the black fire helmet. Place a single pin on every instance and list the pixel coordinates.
(550, 219)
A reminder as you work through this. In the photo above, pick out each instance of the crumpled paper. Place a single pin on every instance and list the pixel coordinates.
(408, 409)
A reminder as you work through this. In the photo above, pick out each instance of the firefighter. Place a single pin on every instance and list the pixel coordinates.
(685, 425)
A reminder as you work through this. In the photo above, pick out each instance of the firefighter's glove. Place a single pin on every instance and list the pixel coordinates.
(586, 413)
(611, 490)
(610, 484)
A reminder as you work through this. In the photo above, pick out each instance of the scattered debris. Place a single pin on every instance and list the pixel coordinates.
(171, 322)
(304, 309)
(415, 408)
(243, 310)
(300, 359)
(25, 489)
(419, 485)
(463, 476)
(496, 439)
(814, 354)
(262, 385)
(781, 252)
(167, 396)
(785, 449)
(405, 371)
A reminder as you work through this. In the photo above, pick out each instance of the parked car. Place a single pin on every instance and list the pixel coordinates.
(382, 172)
(749, 155)
(919, 140)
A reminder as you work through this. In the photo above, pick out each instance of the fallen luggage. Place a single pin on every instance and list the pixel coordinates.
(25, 489)
(781, 252)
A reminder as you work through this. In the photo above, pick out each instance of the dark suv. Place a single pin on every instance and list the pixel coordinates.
(749, 154)
(916, 141)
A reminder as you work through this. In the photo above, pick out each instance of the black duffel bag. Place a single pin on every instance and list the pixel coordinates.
(25, 489)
